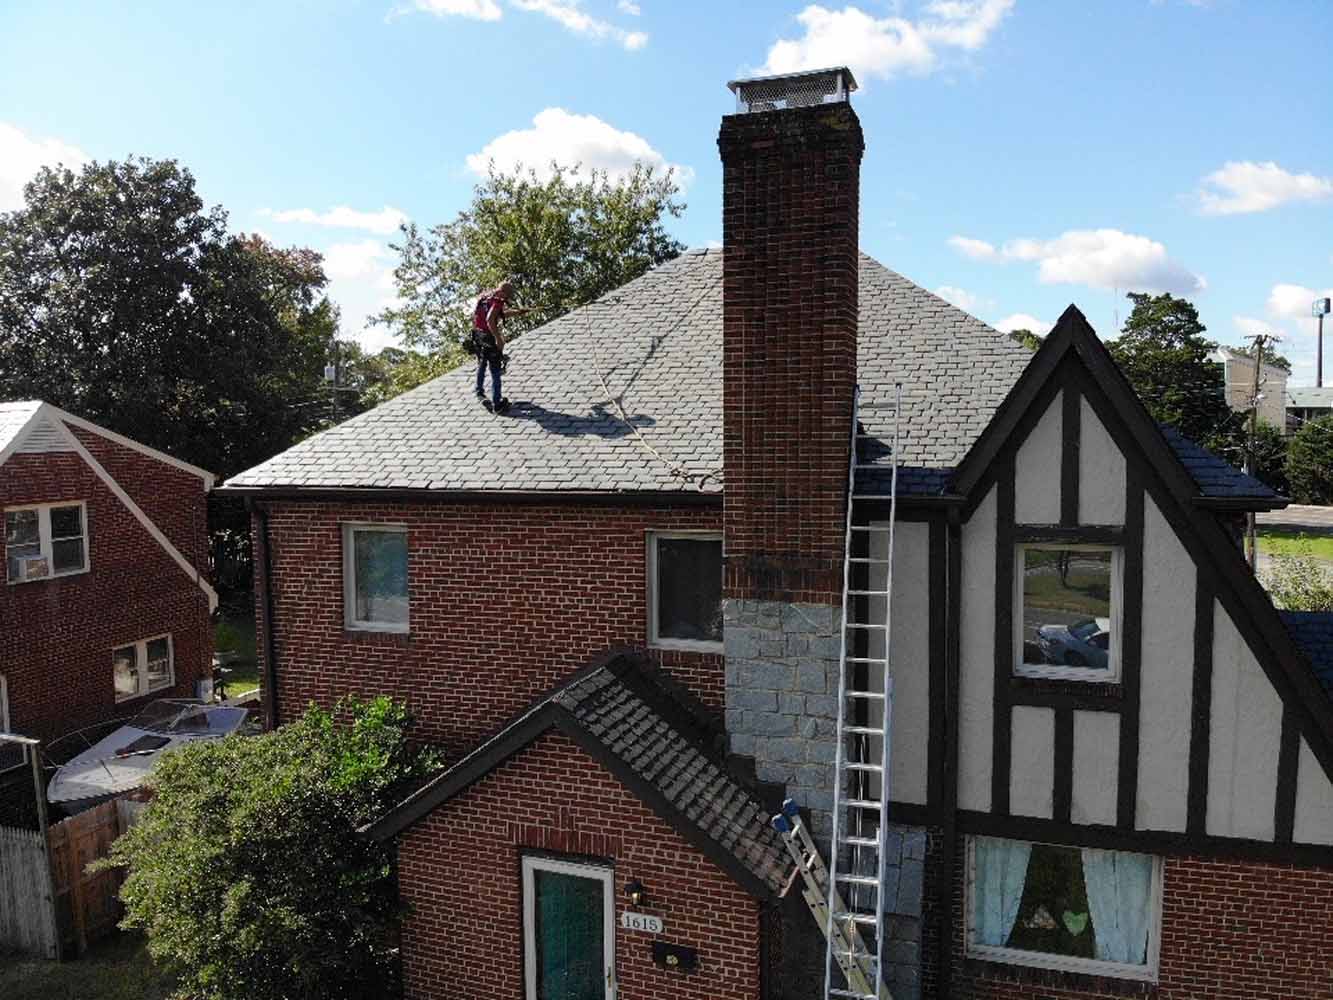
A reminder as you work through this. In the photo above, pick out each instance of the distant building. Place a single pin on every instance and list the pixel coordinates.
(1238, 371)
(1306, 403)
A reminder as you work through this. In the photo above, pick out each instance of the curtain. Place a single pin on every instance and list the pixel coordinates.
(1002, 869)
(1120, 898)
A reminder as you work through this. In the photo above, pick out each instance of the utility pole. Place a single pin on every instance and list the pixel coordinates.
(1251, 542)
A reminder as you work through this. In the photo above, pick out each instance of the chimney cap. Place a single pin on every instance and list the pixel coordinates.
(793, 90)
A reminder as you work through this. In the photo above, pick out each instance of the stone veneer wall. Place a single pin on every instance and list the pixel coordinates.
(782, 696)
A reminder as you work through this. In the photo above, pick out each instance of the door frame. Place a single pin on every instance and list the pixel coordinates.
(533, 863)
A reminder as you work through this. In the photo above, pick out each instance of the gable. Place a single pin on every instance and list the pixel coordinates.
(1216, 729)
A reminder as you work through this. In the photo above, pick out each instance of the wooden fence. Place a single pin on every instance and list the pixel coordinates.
(85, 905)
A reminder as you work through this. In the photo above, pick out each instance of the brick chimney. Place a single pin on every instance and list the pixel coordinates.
(791, 161)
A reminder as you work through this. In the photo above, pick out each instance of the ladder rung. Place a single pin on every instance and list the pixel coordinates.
(864, 767)
(869, 695)
(867, 659)
(851, 995)
(865, 625)
(865, 919)
(867, 559)
(860, 842)
(859, 880)
(868, 593)
(863, 731)
(862, 804)
(871, 527)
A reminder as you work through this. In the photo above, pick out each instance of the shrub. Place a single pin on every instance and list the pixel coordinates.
(246, 871)
(1299, 582)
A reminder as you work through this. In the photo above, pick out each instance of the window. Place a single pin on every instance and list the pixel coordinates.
(685, 590)
(568, 930)
(45, 541)
(1073, 909)
(375, 577)
(1067, 612)
(11, 754)
(143, 667)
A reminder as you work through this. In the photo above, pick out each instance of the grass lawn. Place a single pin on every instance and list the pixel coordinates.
(1277, 541)
(116, 968)
(236, 633)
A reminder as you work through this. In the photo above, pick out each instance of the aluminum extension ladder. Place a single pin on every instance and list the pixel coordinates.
(849, 904)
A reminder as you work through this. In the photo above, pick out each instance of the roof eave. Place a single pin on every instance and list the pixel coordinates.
(410, 494)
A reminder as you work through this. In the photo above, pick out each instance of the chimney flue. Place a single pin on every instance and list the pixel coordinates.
(793, 90)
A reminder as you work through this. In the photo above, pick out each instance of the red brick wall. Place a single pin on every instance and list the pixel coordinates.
(57, 635)
(506, 601)
(1230, 931)
(460, 873)
(790, 205)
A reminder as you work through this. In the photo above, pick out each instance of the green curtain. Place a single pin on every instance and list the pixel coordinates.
(570, 937)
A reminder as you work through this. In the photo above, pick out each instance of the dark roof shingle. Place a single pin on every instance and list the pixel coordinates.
(1312, 631)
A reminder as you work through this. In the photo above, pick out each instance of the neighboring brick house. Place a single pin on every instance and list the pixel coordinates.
(1110, 756)
(106, 602)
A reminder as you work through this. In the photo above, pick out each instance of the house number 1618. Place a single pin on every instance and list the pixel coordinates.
(642, 922)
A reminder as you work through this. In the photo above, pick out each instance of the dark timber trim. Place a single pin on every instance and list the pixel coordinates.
(1201, 707)
(1002, 725)
(1288, 761)
(270, 696)
(1146, 841)
(949, 805)
(1092, 534)
(1071, 438)
(1034, 694)
(1063, 795)
(938, 674)
(1131, 646)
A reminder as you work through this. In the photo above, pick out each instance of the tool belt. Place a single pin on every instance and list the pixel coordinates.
(482, 346)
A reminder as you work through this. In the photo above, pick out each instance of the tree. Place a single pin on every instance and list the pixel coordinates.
(123, 300)
(1299, 582)
(1027, 338)
(246, 871)
(1163, 352)
(563, 241)
(1270, 457)
(1310, 462)
(1270, 357)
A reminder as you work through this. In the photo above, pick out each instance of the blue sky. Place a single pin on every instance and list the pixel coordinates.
(1021, 154)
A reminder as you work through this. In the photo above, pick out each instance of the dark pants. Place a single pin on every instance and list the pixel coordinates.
(489, 355)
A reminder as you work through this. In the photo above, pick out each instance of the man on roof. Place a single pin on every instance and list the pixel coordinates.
(488, 336)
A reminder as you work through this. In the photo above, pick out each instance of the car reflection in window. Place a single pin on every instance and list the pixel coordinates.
(1083, 643)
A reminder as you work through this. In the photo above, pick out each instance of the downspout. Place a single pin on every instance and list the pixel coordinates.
(264, 570)
(949, 785)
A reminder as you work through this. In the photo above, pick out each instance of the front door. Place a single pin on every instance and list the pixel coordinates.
(568, 930)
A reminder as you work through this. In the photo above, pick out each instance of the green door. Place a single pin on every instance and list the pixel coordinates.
(568, 931)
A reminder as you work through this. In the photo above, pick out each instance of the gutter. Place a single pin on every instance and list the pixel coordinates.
(404, 494)
(265, 572)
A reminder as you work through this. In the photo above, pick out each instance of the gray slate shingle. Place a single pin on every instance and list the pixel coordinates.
(1312, 631)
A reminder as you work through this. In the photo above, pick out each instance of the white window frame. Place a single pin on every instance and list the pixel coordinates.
(4, 726)
(666, 642)
(533, 863)
(45, 540)
(1148, 972)
(1049, 671)
(141, 660)
(350, 621)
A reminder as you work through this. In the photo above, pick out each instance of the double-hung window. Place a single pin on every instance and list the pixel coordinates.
(45, 540)
(375, 577)
(1073, 909)
(140, 668)
(685, 590)
(1067, 611)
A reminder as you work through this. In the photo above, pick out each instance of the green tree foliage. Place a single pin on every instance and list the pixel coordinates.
(1299, 582)
(1270, 357)
(563, 241)
(1027, 338)
(1163, 352)
(1270, 457)
(246, 871)
(1310, 462)
(124, 300)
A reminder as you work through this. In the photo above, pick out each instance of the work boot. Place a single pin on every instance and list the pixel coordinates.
(502, 406)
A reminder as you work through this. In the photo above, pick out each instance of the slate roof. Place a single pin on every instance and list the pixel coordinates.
(14, 417)
(625, 394)
(1216, 478)
(1312, 631)
(622, 713)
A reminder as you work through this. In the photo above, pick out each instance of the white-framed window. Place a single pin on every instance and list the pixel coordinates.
(140, 668)
(568, 929)
(1067, 607)
(46, 540)
(375, 577)
(685, 590)
(1072, 909)
(12, 755)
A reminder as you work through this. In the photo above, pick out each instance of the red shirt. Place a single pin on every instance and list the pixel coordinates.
(480, 317)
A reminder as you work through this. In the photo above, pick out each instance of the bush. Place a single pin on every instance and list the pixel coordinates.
(1299, 582)
(246, 871)
(1310, 462)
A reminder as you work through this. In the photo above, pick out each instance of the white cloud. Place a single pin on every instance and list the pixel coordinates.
(976, 249)
(1242, 187)
(888, 46)
(1023, 321)
(361, 282)
(629, 7)
(22, 155)
(573, 18)
(363, 259)
(478, 10)
(566, 138)
(1294, 301)
(1251, 327)
(385, 221)
(961, 298)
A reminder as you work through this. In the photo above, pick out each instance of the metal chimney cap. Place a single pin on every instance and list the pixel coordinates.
(793, 90)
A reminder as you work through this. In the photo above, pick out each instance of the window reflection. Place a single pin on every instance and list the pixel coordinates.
(1066, 609)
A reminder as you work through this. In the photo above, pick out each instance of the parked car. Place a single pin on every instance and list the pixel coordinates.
(1084, 643)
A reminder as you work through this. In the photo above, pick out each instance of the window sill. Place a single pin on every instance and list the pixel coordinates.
(52, 576)
(367, 628)
(1031, 965)
(687, 645)
(1079, 675)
